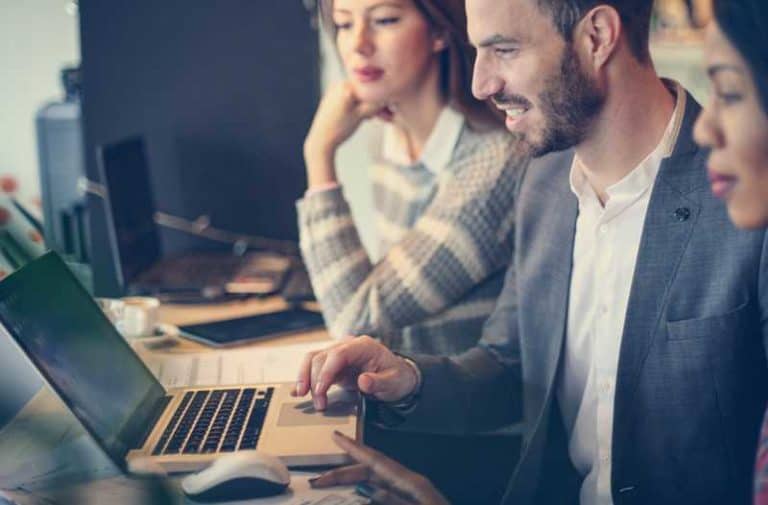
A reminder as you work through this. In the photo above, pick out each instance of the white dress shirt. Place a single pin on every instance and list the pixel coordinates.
(604, 255)
(438, 149)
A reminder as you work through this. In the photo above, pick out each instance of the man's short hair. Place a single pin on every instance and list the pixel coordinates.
(635, 17)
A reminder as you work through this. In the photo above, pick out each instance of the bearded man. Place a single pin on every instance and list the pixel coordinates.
(633, 316)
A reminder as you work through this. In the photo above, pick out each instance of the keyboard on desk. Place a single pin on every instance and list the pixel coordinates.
(220, 420)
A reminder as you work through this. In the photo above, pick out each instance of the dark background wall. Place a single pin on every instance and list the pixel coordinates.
(223, 92)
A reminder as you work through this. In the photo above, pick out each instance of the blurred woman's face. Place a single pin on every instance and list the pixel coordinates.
(735, 126)
(387, 47)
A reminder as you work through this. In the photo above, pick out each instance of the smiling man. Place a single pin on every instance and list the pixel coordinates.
(633, 313)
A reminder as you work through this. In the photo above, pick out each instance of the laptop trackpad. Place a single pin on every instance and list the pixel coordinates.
(304, 414)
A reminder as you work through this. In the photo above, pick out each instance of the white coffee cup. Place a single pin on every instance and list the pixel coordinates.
(140, 316)
(113, 308)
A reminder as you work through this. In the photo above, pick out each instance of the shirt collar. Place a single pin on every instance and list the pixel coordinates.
(438, 149)
(641, 177)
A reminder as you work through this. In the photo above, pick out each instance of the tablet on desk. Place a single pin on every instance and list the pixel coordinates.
(247, 329)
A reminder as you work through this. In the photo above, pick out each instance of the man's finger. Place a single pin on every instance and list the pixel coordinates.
(305, 370)
(345, 475)
(334, 365)
(318, 398)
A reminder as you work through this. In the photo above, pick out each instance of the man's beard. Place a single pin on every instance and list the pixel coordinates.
(569, 103)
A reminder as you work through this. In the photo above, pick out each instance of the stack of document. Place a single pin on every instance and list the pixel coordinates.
(230, 367)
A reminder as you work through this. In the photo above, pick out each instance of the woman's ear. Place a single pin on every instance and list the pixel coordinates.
(439, 43)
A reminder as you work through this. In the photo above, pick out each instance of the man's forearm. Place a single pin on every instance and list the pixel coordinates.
(468, 393)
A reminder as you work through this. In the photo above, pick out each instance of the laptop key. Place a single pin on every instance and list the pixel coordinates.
(180, 435)
(201, 427)
(172, 424)
(255, 422)
(211, 443)
(238, 419)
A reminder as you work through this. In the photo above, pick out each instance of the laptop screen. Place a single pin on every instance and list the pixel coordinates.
(131, 208)
(79, 352)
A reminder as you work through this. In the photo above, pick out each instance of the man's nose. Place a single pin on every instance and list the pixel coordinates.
(485, 82)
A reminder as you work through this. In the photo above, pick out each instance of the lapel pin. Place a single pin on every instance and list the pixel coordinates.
(682, 214)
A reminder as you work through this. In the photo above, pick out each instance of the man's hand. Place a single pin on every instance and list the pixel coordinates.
(360, 363)
(385, 481)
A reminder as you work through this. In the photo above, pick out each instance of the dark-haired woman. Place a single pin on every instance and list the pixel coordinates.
(734, 125)
(443, 181)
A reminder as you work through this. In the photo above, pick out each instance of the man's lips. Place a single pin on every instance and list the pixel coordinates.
(722, 184)
(514, 113)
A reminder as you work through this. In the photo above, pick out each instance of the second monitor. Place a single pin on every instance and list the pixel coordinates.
(135, 244)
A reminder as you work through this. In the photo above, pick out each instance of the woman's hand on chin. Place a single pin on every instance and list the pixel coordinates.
(337, 117)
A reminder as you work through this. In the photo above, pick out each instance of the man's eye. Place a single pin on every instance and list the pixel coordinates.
(387, 21)
(504, 51)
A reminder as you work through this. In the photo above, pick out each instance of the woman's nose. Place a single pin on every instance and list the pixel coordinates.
(364, 40)
(706, 132)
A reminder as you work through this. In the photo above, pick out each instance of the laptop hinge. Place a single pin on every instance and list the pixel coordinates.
(157, 411)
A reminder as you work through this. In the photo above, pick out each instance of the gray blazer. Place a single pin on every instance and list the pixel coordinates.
(692, 379)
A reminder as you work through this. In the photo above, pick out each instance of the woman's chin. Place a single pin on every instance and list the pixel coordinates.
(370, 93)
(748, 217)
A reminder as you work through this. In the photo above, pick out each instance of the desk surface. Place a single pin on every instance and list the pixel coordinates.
(58, 447)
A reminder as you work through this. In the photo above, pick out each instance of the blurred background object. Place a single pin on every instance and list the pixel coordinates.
(61, 170)
(223, 94)
(682, 15)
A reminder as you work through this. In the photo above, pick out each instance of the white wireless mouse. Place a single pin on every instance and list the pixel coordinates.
(240, 475)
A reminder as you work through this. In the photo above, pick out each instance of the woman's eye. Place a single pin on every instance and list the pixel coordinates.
(343, 25)
(387, 21)
(729, 98)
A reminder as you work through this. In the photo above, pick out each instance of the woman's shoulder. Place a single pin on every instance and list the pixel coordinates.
(495, 145)
(485, 166)
(485, 153)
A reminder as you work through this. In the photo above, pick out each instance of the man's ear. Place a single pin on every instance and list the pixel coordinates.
(598, 35)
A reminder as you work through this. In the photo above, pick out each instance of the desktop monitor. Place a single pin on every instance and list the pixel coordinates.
(130, 208)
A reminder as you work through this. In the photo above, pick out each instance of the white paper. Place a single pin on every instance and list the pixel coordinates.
(231, 367)
(122, 489)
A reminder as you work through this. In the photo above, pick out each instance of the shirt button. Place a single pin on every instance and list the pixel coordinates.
(602, 229)
(607, 387)
(603, 309)
(605, 459)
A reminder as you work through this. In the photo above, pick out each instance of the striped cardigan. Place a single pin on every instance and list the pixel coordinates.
(446, 241)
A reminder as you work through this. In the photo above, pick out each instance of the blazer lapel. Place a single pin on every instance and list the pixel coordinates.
(546, 220)
(545, 256)
(558, 288)
(670, 220)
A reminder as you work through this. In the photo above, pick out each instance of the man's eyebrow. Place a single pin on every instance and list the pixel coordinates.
(716, 69)
(497, 39)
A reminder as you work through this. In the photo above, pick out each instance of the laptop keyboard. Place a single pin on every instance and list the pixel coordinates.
(220, 420)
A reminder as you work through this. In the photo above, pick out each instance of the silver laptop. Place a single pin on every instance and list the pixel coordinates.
(54, 321)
